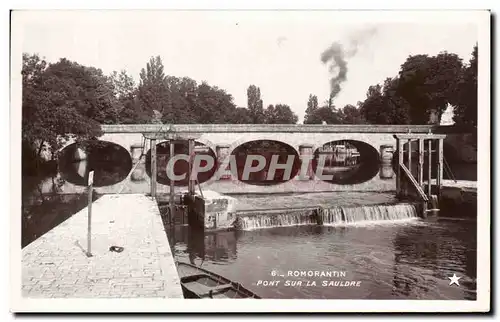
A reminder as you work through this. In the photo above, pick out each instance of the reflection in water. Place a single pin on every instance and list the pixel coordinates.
(349, 162)
(181, 167)
(339, 154)
(266, 149)
(206, 246)
(139, 173)
(386, 156)
(110, 162)
(43, 211)
(409, 260)
(44, 205)
(386, 172)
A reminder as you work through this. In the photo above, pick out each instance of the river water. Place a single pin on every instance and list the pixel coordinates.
(397, 257)
(402, 259)
(380, 252)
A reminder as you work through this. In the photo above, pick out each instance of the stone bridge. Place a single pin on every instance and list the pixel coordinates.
(375, 143)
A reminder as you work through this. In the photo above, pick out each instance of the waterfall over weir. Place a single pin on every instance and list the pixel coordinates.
(350, 215)
(331, 216)
(281, 219)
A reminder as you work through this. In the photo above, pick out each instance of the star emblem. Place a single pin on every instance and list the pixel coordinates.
(454, 279)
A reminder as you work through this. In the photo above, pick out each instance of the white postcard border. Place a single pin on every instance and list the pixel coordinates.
(19, 304)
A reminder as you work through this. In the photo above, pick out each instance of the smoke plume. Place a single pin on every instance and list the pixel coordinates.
(337, 56)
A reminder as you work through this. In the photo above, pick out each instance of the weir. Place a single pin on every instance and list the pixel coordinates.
(326, 216)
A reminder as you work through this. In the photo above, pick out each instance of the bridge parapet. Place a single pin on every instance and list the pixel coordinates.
(273, 128)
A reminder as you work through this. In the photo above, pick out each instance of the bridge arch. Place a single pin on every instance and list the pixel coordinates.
(181, 166)
(110, 162)
(346, 162)
(268, 149)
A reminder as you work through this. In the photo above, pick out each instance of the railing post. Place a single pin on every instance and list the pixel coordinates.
(171, 203)
(190, 171)
(429, 183)
(153, 168)
(421, 150)
(440, 168)
(409, 156)
(424, 209)
(400, 161)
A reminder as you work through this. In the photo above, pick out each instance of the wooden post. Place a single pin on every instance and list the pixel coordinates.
(400, 160)
(191, 183)
(439, 179)
(421, 151)
(404, 150)
(409, 156)
(89, 214)
(429, 183)
(171, 203)
(424, 209)
(153, 168)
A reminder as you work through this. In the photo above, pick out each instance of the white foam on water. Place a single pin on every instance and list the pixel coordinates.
(277, 220)
(367, 213)
(336, 216)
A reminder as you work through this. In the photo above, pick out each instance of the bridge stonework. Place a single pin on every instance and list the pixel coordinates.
(224, 138)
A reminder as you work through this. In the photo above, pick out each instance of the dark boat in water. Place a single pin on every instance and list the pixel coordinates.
(199, 283)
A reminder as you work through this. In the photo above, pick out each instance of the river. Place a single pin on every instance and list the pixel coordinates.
(396, 257)
(406, 259)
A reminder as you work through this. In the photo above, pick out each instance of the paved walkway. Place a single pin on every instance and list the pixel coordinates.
(55, 265)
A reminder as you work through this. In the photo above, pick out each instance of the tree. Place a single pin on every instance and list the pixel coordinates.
(123, 85)
(312, 106)
(375, 108)
(351, 115)
(255, 104)
(384, 105)
(429, 83)
(325, 114)
(152, 92)
(182, 100)
(240, 115)
(398, 107)
(214, 104)
(280, 114)
(60, 100)
(83, 88)
(125, 90)
(182, 97)
(466, 107)
(33, 130)
(425, 85)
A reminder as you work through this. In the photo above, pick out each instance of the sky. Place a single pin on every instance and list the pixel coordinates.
(278, 51)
